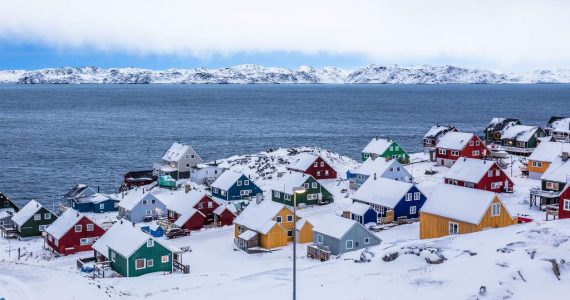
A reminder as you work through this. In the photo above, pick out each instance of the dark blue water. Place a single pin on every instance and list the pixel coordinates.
(53, 136)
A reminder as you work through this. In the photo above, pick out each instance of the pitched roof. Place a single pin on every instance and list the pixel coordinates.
(132, 197)
(378, 166)
(176, 152)
(377, 146)
(220, 209)
(454, 140)
(332, 225)
(459, 203)
(358, 208)
(65, 222)
(558, 171)
(227, 179)
(185, 215)
(469, 169)
(303, 161)
(561, 125)
(288, 181)
(79, 190)
(435, 131)
(549, 151)
(180, 201)
(123, 238)
(6, 212)
(259, 217)
(382, 191)
(95, 198)
(498, 124)
(27, 212)
(521, 133)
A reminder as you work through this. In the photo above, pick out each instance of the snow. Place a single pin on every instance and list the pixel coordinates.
(459, 203)
(561, 125)
(549, 151)
(332, 225)
(220, 209)
(289, 181)
(27, 212)
(558, 171)
(180, 201)
(454, 140)
(64, 222)
(358, 209)
(377, 146)
(469, 169)
(226, 180)
(96, 198)
(259, 217)
(382, 191)
(185, 215)
(371, 166)
(175, 152)
(435, 131)
(131, 198)
(303, 161)
(247, 235)
(6, 212)
(521, 133)
(123, 237)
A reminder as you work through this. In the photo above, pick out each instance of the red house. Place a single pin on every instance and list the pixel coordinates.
(454, 145)
(313, 165)
(479, 174)
(192, 210)
(72, 232)
(225, 215)
(564, 202)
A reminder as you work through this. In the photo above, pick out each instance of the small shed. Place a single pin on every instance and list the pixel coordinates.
(361, 213)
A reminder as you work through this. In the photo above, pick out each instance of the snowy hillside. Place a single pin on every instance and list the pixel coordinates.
(251, 74)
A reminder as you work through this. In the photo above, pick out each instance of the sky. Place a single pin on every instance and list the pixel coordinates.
(505, 35)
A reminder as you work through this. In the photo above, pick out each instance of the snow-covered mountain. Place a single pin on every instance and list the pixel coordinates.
(250, 74)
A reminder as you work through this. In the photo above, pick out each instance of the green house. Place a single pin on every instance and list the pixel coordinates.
(7, 203)
(132, 252)
(385, 148)
(315, 192)
(32, 219)
(166, 181)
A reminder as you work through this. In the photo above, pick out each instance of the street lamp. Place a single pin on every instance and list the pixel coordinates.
(297, 190)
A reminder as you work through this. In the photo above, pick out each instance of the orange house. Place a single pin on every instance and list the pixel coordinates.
(269, 225)
(544, 154)
(454, 210)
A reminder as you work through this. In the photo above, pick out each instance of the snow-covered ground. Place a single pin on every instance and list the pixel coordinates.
(507, 263)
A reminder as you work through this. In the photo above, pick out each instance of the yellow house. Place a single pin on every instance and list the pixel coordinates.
(544, 154)
(269, 225)
(457, 210)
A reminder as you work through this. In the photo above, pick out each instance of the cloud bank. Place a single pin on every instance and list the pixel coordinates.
(503, 34)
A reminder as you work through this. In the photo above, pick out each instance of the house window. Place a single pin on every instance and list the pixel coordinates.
(475, 153)
(469, 185)
(37, 217)
(396, 148)
(279, 219)
(537, 164)
(112, 256)
(566, 205)
(314, 184)
(552, 185)
(148, 213)
(495, 210)
(322, 163)
(153, 201)
(85, 241)
(246, 182)
(453, 228)
(442, 151)
(318, 173)
(289, 233)
(42, 227)
(417, 195)
(290, 218)
(454, 153)
(210, 204)
(319, 239)
(497, 172)
(238, 183)
(326, 172)
(150, 263)
(150, 243)
(164, 259)
(490, 173)
(223, 193)
(244, 192)
(90, 227)
(102, 206)
(409, 197)
(277, 194)
(200, 205)
(287, 197)
(412, 210)
(47, 216)
(140, 263)
(349, 244)
(471, 143)
(144, 202)
(78, 228)
(306, 185)
(366, 240)
(315, 164)
(495, 185)
(478, 143)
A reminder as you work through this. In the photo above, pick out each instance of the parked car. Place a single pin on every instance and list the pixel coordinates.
(176, 232)
(147, 219)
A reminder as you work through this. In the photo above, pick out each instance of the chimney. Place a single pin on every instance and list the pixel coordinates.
(374, 176)
(565, 156)
(98, 187)
(187, 188)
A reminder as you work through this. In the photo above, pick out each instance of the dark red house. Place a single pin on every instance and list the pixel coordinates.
(454, 145)
(225, 215)
(72, 232)
(479, 174)
(564, 202)
(313, 165)
(191, 219)
(182, 210)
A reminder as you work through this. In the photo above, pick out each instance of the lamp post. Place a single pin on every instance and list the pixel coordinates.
(297, 190)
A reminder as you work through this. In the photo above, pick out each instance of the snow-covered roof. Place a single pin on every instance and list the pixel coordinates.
(459, 203)
(558, 171)
(247, 235)
(26, 212)
(179, 200)
(6, 212)
(95, 198)
(303, 161)
(332, 225)
(227, 179)
(65, 222)
(469, 169)
(230, 207)
(378, 166)
(382, 191)
(454, 140)
(124, 238)
(549, 151)
(176, 152)
(80, 190)
(185, 215)
(358, 208)
(132, 197)
(259, 217)
(498, 124)
(436, 131)
(377, 146)
(521, 133)
(561, 125)
(288, 181)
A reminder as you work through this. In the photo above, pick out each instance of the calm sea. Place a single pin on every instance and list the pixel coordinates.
(54, 136)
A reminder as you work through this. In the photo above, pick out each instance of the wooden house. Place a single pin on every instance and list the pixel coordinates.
(386, 148)
(459, 144)
(131, 252)
(191, 209)
(380, 167)
(339, 235)
(479, 174)
(232, 186)
(139, 204)
(178, 161)
(541, 158)
(7, 209)
(558, 128)
(32, 219)
(72, 232)
(7, 203)
(493, 131)
(521, 139)
(454, 210)
(553, 183)
(392, 200)
(206, 173)
(361, 213)
(564, 202)
(266, 225)
(225, 215)
(83, 198)
(313, 165)
(434, 134)
(316, 193)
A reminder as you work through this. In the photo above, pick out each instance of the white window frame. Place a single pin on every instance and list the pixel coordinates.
(413, 210)
(490, 173)
(144, 264)
(319, 239)
(287, 197)
(42, 227)
(566, 205)
(327, 173)
(278, 219)
(496, 185)
(314, 184)
(84, 242)
(417, 195)
(315, 164)
(101, 205)
(150, 243)
(90, 227)
(210, 204)
(497, 172)
(47, 216)
(453, 228)
(246, 182)
(289, 218)
(238, 183)
(322, 163)
(78, 228)
(495, 209)
(306, 185)
(351, 242)
(37, 217)
(475, 153)
(537, 164)
(222, 192)
(276, 194)
(113, 257)
(150, 263)
(366, 240)
(165, 258)
(408, 196)
(442, 151)
(244, 192)
(454, 153)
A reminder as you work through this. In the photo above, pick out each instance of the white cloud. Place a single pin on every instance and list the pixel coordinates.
(502, 34)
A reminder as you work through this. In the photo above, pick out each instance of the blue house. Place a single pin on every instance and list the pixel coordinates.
(234, 186)
(361, 213)
(379, 167)
(86, 199)
(391, 199)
